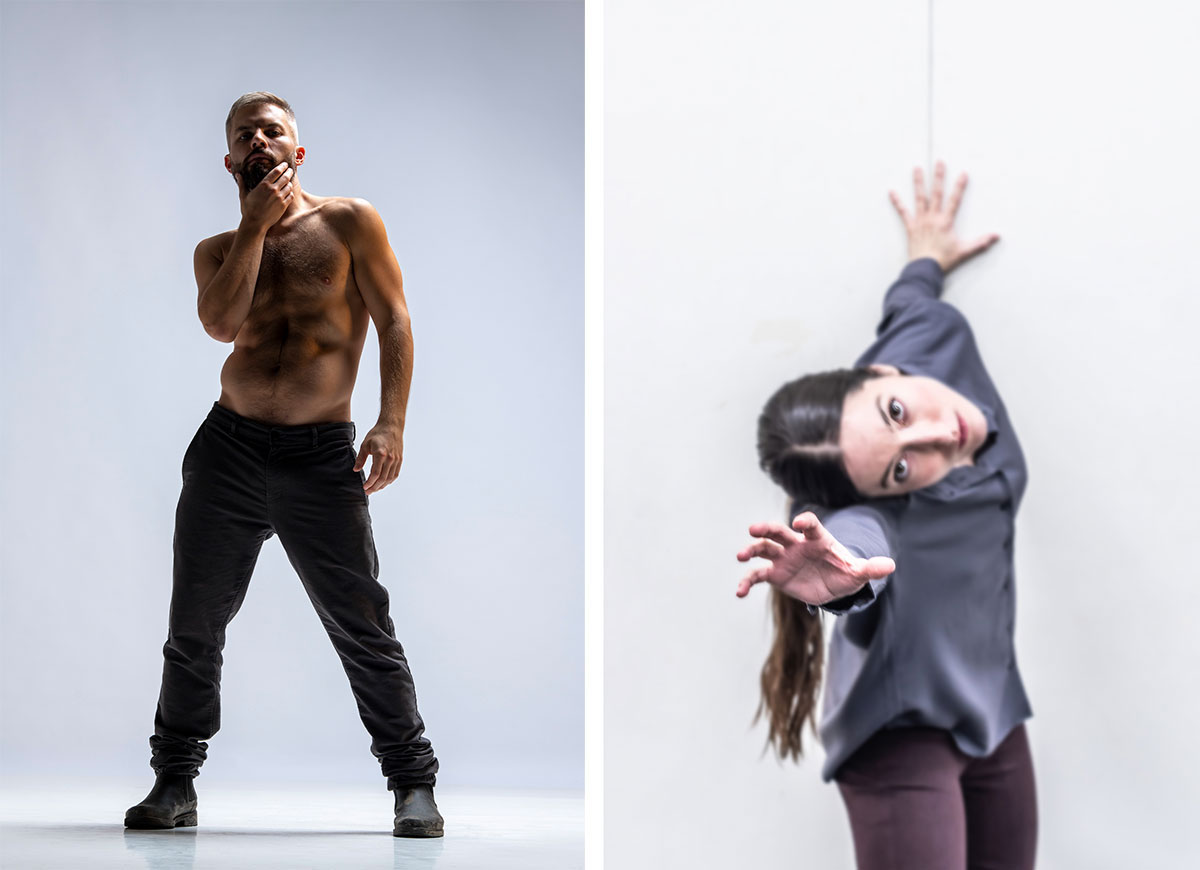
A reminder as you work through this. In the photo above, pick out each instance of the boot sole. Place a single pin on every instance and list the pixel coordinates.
(416, 829)
(140, 822)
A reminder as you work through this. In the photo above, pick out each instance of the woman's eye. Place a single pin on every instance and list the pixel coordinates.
(900, 473)
(896, 410)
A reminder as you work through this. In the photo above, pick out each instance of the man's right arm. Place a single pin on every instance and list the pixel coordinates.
(226, 281)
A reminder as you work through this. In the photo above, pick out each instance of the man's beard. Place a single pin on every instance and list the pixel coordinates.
(253, 173)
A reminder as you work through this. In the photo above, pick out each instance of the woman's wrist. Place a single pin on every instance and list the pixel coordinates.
(913, 256)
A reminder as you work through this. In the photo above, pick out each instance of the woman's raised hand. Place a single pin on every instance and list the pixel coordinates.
(930, 226)
(812, 565)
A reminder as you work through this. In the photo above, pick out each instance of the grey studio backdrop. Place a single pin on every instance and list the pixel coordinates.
(749, 239)
(462, 124)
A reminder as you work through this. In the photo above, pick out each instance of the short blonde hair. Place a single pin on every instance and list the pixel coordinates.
(255, 97)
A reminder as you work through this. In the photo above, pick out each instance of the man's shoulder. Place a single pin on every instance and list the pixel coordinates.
(352, 206)
(354, 217)
(216, 246)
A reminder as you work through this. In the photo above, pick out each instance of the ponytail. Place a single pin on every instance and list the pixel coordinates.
(791, 675)
(798, 446)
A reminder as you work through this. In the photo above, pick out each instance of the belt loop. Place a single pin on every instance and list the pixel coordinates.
(314, 431)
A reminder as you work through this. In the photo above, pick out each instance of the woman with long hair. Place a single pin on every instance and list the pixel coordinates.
(904, 476)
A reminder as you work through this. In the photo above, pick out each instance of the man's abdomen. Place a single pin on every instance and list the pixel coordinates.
(299, 382)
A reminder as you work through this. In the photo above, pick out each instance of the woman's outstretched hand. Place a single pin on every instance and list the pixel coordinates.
(812, 566)
(931, 224)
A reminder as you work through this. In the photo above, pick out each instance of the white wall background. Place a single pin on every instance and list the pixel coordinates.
(749, 149)
(462, 124)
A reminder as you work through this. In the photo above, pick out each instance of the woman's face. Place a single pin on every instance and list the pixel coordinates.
(903, 432)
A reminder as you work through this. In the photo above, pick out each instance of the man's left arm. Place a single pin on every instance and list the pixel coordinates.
(382, 287)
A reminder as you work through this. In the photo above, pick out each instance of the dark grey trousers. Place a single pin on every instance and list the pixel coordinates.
(244, 481)
(916, 802)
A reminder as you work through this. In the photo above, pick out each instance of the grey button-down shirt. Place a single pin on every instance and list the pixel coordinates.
(932, 644)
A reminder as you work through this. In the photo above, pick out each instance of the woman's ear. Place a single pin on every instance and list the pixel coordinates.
(884, 369)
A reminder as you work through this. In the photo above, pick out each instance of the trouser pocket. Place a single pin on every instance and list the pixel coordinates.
(191, 449)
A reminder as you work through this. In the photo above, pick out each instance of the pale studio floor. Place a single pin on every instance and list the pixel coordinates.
(314, 827)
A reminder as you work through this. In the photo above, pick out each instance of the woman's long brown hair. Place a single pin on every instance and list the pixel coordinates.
(801, 415)
(791, 675)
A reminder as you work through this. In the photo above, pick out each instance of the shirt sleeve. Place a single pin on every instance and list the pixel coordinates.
(866, 530)
(921, 279)
(919, 333)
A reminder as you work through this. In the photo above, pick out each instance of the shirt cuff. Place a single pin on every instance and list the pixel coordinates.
(859, 600)
(928, 271)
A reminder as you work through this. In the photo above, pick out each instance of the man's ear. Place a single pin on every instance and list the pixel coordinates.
(299, 154)
(884, 369)
(228, 164)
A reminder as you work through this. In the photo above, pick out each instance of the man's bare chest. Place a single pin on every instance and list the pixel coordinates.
(306, 268)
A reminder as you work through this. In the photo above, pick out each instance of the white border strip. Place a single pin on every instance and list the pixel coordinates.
(593, 434)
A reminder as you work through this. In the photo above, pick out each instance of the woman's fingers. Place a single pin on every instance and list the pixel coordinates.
(900, 209)
(978, 246)
(773, 531)
(939, 180)
(758, 575)
(920, 202)
(773, 541)
(956, 196)
(808, 525)
(761, 549)
(876, 568)
(935, 201)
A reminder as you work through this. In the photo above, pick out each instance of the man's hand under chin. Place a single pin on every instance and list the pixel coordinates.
(385, 445)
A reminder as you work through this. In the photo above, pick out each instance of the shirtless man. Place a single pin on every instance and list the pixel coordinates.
(292, 288)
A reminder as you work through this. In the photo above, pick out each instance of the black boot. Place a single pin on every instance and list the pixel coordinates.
(170, 804)
(416, 812)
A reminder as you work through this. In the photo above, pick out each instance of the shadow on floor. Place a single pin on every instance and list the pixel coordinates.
(176, 849)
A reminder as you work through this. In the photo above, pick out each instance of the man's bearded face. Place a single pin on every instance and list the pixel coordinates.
(255, 169)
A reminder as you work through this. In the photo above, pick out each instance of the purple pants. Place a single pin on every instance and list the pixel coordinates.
(916, 801)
